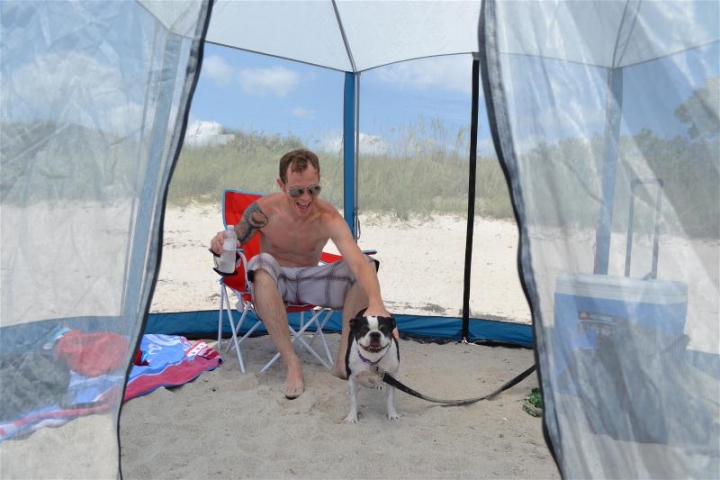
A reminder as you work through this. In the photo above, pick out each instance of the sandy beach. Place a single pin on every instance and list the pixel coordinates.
(421, 264)
(225, 424)
(229, 425)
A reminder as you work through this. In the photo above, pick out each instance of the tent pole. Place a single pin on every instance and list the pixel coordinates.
(612, 137)
(350, 151)
(472, 175)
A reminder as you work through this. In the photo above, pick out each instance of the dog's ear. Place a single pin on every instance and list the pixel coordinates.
(389, 322)
(353, 321)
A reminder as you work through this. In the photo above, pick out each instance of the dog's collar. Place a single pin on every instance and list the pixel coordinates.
(367, 360)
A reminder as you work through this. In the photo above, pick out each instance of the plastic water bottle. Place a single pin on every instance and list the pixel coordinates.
(227, 257)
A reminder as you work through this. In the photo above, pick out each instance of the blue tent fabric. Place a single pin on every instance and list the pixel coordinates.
(204, 324)
(93, 105)
(620, 348)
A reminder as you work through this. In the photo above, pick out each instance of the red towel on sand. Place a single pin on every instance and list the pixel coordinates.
(92, 354)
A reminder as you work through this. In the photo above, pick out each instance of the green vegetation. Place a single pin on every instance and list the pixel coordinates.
(533, 403)
(425, 186)
(566, 187)
(415, 179)
(248, 162)
(424, 172)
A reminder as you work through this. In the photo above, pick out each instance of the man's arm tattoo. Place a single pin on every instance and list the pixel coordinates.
(253, 219)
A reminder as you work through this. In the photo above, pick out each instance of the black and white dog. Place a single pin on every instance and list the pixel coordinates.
(372, 349)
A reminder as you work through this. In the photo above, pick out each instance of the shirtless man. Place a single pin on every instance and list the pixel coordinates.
(294, 225)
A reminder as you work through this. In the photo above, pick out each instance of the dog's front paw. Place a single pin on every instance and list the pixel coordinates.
(351, 418)
(393, 415)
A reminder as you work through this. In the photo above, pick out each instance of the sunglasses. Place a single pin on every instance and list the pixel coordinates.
(313, 190)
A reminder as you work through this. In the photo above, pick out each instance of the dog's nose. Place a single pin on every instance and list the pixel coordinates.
(375, 336)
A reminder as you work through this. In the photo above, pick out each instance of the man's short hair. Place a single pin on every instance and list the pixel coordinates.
(298, 161)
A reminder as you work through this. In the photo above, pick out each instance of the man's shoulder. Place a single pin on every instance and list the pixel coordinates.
(327, 210)
(269, 201)
(270, 197)
(332, 221)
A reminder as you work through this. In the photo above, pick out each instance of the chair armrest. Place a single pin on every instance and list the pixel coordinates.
(215, 260)
(327, 257)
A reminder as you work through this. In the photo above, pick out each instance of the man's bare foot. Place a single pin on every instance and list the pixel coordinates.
(294, 384)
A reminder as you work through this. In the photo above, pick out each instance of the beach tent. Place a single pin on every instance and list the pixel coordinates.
(584, 99)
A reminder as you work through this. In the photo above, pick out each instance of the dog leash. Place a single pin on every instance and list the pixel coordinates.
(390, 380)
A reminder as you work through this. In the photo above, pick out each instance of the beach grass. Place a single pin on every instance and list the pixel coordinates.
(403, 182)
(424, 171)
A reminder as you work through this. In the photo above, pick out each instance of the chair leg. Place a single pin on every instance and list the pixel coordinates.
(225, 305)
(315, 319)
(221, 307)
(251, 330)
(271, 362)
(320, 318)
(312, 351)
(298, 335)
(321, 333)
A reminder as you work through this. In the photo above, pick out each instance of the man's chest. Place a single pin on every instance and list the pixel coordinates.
(289, 238)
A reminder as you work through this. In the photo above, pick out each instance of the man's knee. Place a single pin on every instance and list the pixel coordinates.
(374, 262)
(262, 281)
(266, 266)
(261, 275)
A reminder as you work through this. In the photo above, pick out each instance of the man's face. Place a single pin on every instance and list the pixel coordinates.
(300, 189)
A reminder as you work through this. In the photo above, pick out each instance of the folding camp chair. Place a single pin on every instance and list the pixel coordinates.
(234, 204)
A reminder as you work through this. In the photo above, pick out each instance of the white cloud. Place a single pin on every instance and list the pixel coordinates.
(569, 118)
(449, 73)
(200, 128)
(96, 99)
(369, 144)
(201, 132)
(373, 144)
(305, 113)
(277, 81)
(215, 68)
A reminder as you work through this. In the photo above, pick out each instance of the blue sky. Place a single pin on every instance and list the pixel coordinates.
(430, 97)
(255, 93)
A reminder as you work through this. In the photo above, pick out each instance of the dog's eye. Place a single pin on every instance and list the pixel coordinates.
(361, 331)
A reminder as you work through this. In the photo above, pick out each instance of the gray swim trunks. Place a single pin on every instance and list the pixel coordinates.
(324, 285)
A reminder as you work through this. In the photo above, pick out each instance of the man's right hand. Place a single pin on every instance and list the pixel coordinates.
(216, 244)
